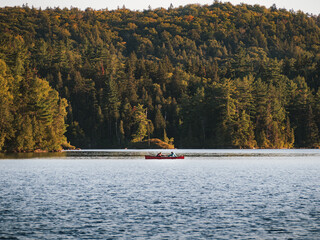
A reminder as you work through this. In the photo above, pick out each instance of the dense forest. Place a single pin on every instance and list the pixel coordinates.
(212, 76)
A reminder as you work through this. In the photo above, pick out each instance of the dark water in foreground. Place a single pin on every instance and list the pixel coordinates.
(218, 194)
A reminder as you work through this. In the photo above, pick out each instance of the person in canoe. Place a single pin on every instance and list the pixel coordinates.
(172, 154)
(159, 154)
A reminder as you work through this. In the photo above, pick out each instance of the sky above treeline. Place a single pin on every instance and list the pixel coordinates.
(307, 6)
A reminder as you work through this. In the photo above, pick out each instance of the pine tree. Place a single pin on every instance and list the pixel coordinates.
(244, 134)
(159, 122)
(6, 104)
(141, 123)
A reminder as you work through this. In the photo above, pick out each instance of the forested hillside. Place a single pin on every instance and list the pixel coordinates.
(218, 76)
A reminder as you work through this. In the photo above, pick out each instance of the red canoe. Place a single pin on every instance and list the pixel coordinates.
(164, 157)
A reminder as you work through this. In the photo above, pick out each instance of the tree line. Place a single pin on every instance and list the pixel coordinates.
(198, 76)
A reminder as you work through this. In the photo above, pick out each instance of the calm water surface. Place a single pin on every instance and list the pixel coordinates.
(213, 194)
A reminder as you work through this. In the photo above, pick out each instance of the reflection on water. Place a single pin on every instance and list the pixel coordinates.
(33, 155)
(228, 194)
(193, 153)
(198, 153)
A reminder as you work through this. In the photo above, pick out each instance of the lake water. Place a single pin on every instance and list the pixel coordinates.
(211, 194)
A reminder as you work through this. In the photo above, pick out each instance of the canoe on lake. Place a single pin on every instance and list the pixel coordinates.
(163, 157)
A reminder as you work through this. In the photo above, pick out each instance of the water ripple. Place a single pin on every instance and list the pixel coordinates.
(224, 198)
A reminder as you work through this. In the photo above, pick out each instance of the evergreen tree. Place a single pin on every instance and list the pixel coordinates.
(6, 104)
(141, 123)
(210, 76)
